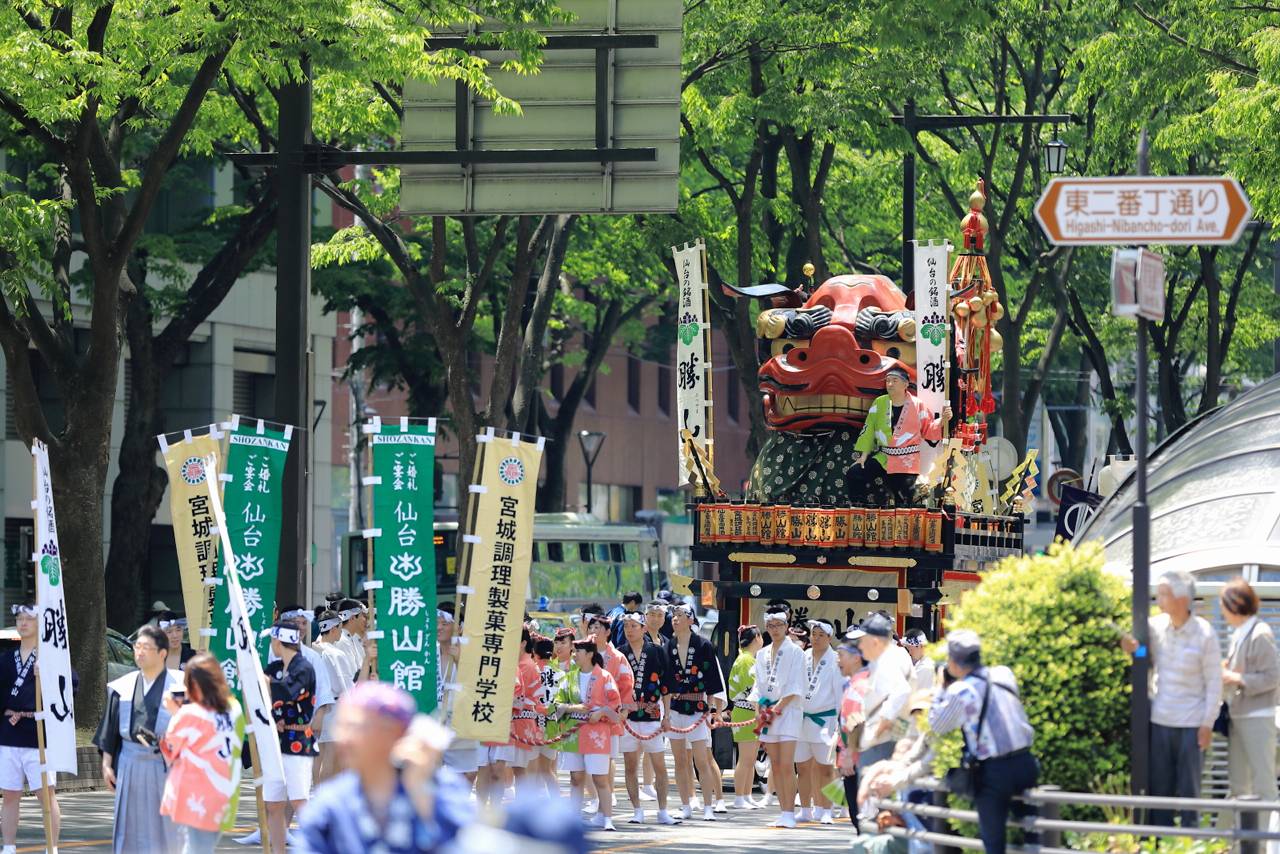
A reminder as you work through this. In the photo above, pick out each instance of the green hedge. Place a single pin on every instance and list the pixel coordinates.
(1053, 619)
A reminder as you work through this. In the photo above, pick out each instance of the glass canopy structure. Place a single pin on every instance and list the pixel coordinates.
(1214, 491)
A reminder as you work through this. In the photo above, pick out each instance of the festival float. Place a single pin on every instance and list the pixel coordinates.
(872, 491)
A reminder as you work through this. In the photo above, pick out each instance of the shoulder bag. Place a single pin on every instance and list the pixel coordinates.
(1222, 725)
(963, 779)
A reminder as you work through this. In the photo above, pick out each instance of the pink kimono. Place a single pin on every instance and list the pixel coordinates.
(616, 663)
(202, 748)
(527, 698)
(602, 693)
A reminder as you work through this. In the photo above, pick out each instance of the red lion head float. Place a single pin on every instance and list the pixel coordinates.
(827, 357)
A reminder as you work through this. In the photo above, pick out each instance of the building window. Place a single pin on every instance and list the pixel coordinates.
(733, 392)
(664, 389)
(253, 395)
(557, 382)
(609, 502)
(633, 383)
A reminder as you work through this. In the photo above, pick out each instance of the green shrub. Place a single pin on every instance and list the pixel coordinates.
(1053, 620)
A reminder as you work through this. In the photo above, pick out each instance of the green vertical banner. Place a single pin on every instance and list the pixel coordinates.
(252, 490)
(403, 579)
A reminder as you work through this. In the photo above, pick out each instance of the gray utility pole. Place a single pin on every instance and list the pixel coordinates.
(293, 334)
(1140, 700)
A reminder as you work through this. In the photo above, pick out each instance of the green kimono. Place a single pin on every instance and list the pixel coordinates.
(567, 695)
(741, 680)
(877, 432)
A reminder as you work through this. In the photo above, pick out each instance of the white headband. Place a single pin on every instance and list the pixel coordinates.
(284, 634)
(826, 627)
(683, 608)
(295, 614)
(329, 624)
(348, 613)
(634, 617)
(444, 616)
(29, 610)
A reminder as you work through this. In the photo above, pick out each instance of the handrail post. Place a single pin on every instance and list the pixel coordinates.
(1247, 819)
(938, 824)
(1051, 810)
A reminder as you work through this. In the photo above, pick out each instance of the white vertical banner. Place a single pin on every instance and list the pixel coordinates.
(932, 333)
(693, 352)
(253, 682)
(54, 653)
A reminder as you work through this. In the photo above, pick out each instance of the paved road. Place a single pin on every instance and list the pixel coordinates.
(87, 828)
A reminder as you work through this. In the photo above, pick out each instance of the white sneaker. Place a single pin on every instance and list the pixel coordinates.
(824, 817)
(786, 819)
(741, 803)
(254, 838)
(591, 807)
(9, 849)
(837, 812)
(709, 814)
(696, 803)
(805, 814)
(665, 817)
(608, 825)
(720, 807)
(598, 820)
(686, 811)
(637, 817)
(768, 801)
(647, 793)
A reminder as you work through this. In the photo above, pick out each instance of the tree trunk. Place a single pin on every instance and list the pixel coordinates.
(140, 484)
(551, 495)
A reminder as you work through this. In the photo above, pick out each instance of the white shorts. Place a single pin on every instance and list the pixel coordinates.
(595, 764)
(461, 756)
(521, 757)
(18, 764)
(297, 781)
(628, 743)
(571, 762)
(486, 755)
(700, 733)
(549, 753)
(786, 726)
(824, 753)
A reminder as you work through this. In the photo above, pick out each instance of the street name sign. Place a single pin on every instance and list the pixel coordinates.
(1132, 210)
(1137, 284)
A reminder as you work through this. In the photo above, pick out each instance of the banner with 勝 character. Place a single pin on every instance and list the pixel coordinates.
(252, 500)
(404, 555)
(57, 685)
(693, 358)
(193, 529)
(498, 545)
(931, 335)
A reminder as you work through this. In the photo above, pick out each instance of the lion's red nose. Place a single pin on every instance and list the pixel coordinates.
(833, 342)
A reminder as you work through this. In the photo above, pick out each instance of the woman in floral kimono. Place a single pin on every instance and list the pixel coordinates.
(600, 702)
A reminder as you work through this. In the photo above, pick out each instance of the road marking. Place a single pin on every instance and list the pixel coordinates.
(620, 849)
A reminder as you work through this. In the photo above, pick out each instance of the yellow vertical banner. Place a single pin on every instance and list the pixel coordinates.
(498, 542)
(194, 530)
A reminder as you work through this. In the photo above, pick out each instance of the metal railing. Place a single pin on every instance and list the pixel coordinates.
(1249, 815)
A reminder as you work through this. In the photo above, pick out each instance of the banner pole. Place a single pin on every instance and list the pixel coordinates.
(371, 622)
(45, 793)
(257, 791)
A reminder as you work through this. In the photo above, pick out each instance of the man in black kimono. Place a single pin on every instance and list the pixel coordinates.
(643, 732)
(694, 683)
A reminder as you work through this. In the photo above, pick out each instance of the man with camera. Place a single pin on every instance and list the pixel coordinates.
(129, 735)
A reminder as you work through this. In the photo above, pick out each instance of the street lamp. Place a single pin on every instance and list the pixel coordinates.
(591, 441)
(1055, 154)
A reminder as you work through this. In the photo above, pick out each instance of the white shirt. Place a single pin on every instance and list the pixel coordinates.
(1186, 670)
(888, 690)
(824, 688)
(923, 673)
(780, 678)
(354, 646)
(341, 672)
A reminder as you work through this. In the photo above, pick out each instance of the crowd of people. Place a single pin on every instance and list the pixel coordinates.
(844, 720)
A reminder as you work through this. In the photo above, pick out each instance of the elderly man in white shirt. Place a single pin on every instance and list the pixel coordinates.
(1186, 691)
(888, 688)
